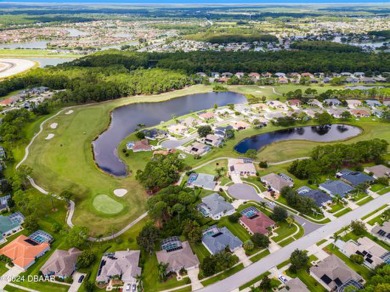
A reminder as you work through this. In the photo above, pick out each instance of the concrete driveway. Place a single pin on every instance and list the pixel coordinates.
(240, 253)
(174, 143)
(76, 285)
(193, 275)
(8, 276)
(242, 191)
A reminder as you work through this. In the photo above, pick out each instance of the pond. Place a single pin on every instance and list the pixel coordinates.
(27, 45)
(125, 120)
(330, 133)
(43, 62)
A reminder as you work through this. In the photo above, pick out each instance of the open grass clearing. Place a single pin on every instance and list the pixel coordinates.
(107, 205)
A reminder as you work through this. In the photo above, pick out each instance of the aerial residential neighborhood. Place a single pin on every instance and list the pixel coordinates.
(195, 146)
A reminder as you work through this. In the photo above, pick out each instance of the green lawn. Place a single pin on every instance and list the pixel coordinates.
(309, 281)
(336, 207)
(343, 212)
(384, 191)
(235, 228)
(223, 275)
(259, 256)
(376, 187)
(283, 231)
(253, 281)
(66, 162)
(107, 205)
(321, 242)
(365, 200)
(374, 212)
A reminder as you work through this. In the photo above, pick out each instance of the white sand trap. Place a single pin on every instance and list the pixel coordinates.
(54, 125)
(49, 137)
(261, 86)
(69, 112)
(120, 192)
(259, 91)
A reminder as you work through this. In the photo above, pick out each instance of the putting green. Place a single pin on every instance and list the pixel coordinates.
(107, 205)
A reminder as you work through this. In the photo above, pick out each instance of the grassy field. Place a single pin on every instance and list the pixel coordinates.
(107, 205)
(34, 53)
(66, 162)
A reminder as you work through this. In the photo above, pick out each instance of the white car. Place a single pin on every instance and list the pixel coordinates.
(282, 278)
(128, 287)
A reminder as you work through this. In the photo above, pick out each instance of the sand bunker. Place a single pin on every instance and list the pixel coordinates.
(11, 67)
(54, 125)
(50, 136)
(120, 192)
(69, 112)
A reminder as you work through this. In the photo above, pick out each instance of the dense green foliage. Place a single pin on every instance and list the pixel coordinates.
(299, 260)
(148, 237)
(217, 263)
(324, 46)
(203, 131)
(302, 204)
(380, 281)
(380, 33)
(161, 172)
(282, 61)
(327, 159)
(279, 214)
(260, 240)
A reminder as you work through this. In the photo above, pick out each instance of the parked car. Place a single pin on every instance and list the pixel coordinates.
(134, 287)
(81, 278)
(128, 286)
(283, 279)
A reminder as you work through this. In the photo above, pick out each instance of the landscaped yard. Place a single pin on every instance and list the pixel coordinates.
(360, 269)
(365, 200)
(223, 275)
(309, 281)
(343, 212)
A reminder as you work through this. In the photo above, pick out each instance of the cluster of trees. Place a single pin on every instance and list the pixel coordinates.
(380, 281)
(219, 262)
(282, 61)
(324, 46)
(327, 159)
(302, 204)
(299, 260)
(173, 208)
(161, 172)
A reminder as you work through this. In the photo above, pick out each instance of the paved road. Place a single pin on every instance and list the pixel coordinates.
(247, 192)
(174, 143)
(281, 255)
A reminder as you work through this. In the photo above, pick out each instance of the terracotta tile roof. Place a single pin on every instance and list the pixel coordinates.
(22, 251)
(258, 223)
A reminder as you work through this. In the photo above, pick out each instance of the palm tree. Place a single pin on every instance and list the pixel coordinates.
(290, 220)
(162, 271)
(335, 237)
(337, 198)
(140, 284)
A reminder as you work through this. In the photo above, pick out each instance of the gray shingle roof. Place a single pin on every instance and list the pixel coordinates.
(355, 178)
(217, 239)
(336, 187)
(217, 204)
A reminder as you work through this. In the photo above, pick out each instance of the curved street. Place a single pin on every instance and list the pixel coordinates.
(245, 275)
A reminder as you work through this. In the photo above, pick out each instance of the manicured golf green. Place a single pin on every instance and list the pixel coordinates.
(107, 205)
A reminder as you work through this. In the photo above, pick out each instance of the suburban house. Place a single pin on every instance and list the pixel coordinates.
(10, 225)
(190, 122)
(294, 102)
(360, 113)
(276, 182)
(215, 206)
(177, 129)
(120, 263)
(139, 146)
(223, 131)
(373, 103)
(153, 134)
(4, 202)
(382, 232)
(201, 180)
(319, 197)
(277, 104)
(372, 253)
(213, 140)
(315, 102)
(354, 178)
(254, 76)
(197, 148)
(378, 171)
(334, 274)
(23, 251)
(62, 263)
(242, 167)
(218, 239)
(295, 285)
(353, 103)
(240, 125)
(239, 75)
(255, 221)
(206, 115)
(178, 255)
(335, 112)
(332, 102)
(336, 187)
